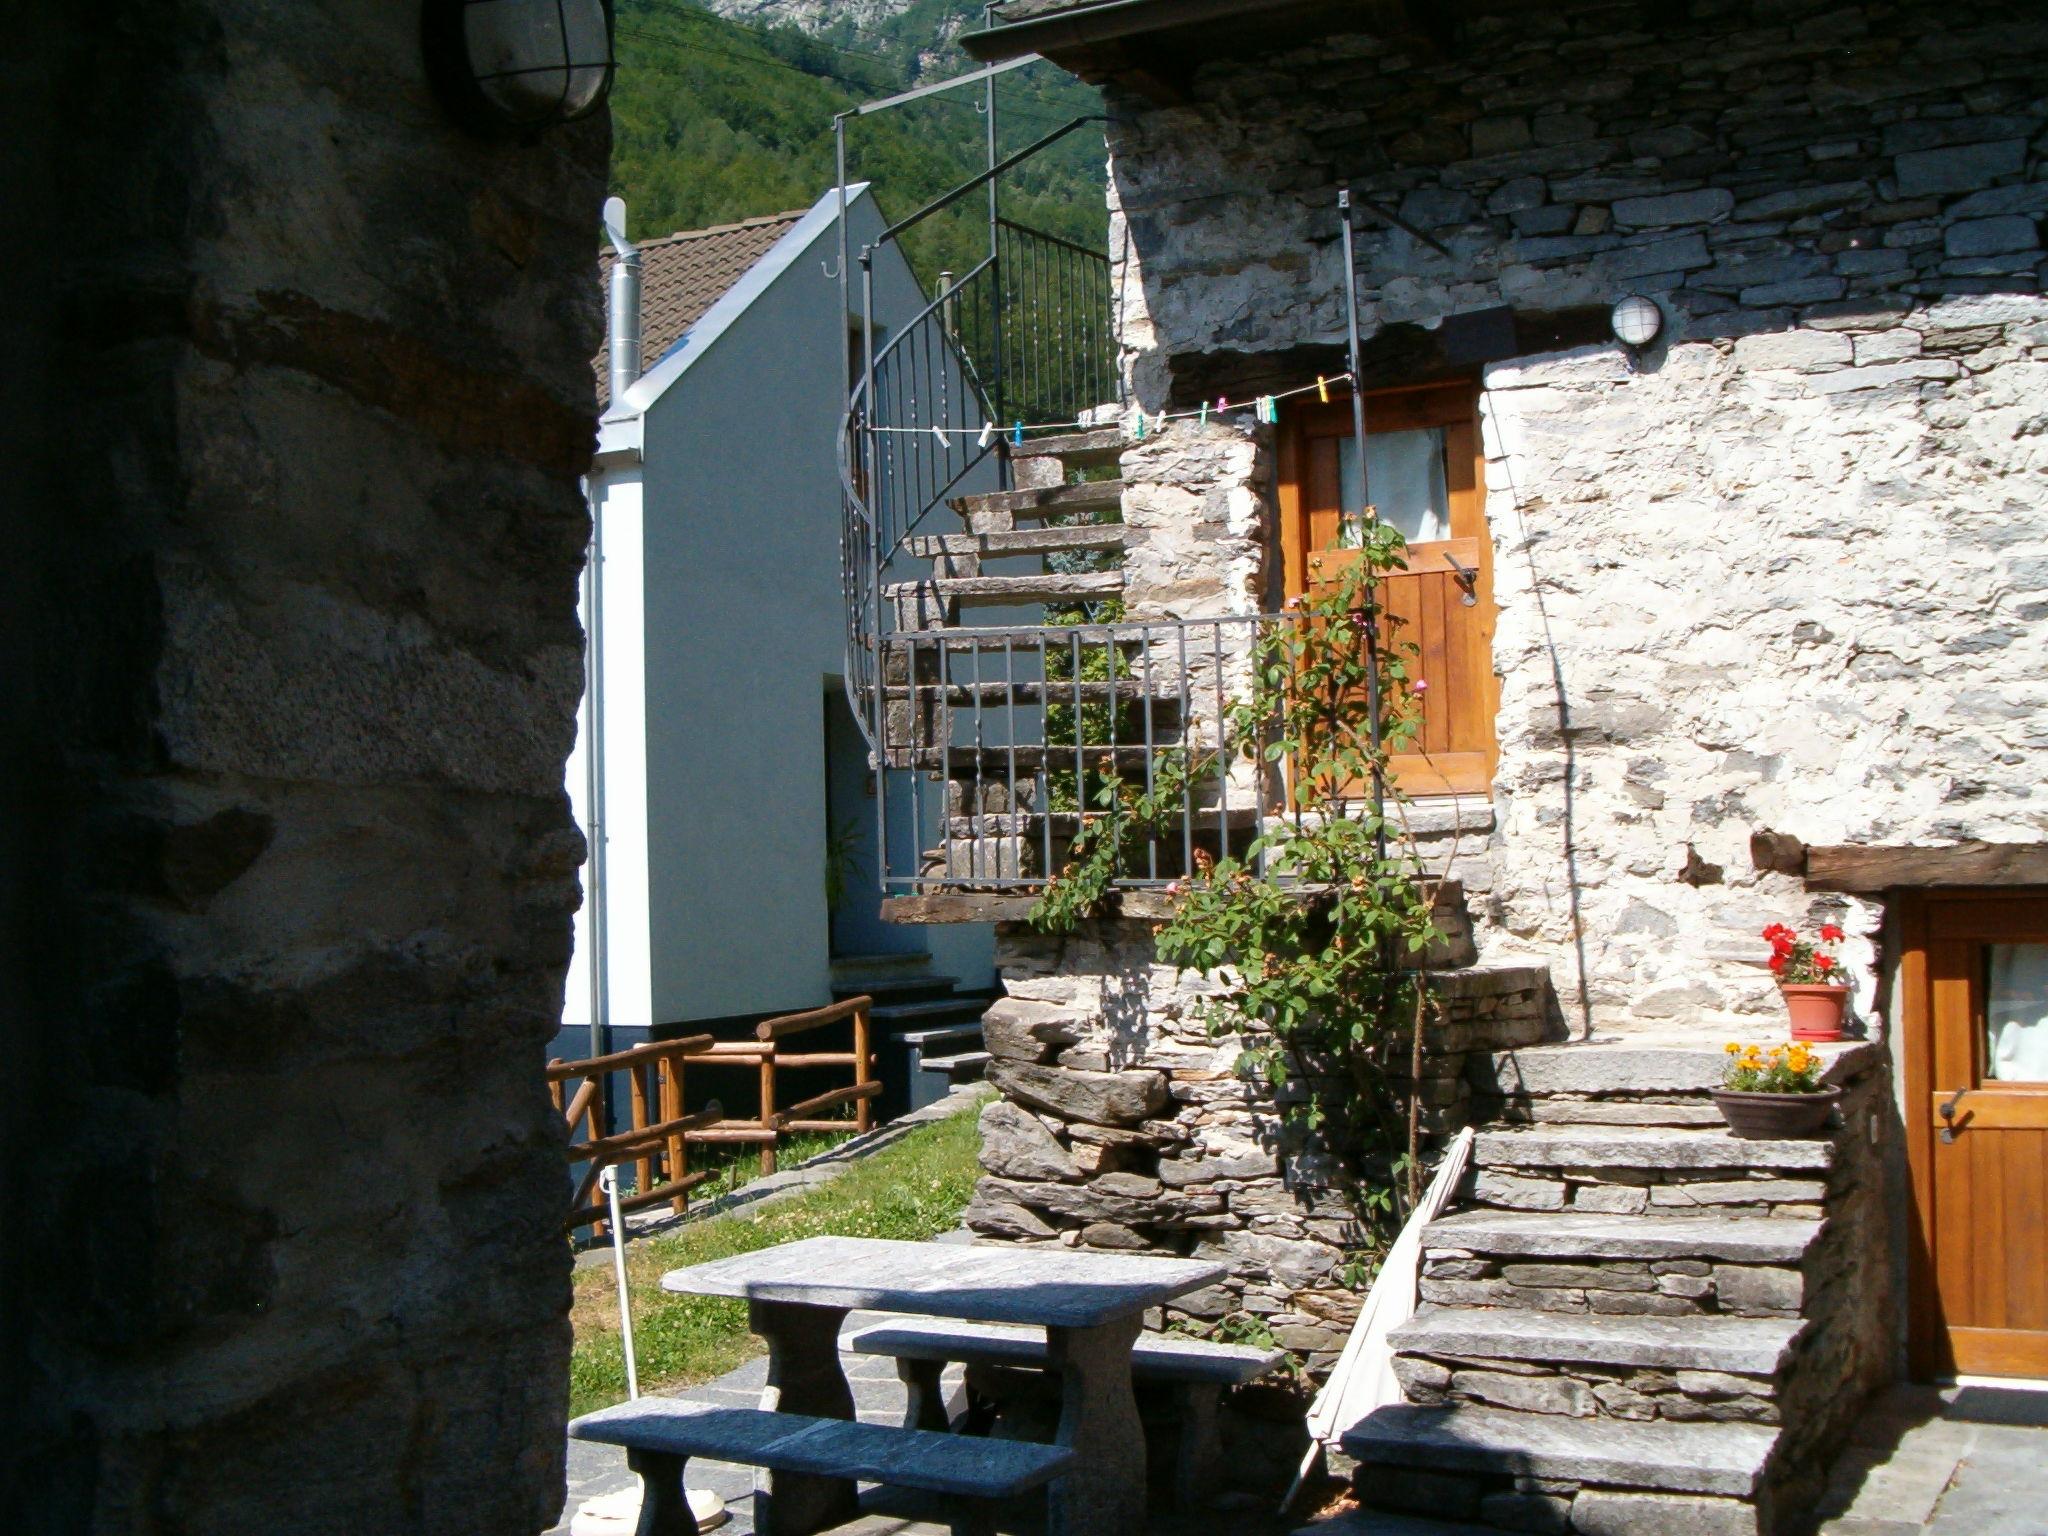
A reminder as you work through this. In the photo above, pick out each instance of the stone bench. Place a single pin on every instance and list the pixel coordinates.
(1196, 1371)
(662, 1434)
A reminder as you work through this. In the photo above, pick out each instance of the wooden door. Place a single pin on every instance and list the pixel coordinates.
(1425, 473)
(1975, 987)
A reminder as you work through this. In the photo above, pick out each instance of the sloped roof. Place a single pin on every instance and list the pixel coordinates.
(683, 275)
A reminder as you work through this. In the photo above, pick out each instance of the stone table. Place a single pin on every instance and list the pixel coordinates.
(1091, 1306)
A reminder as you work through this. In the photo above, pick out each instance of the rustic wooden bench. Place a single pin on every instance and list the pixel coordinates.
(1195, 1369)
(662, 1434)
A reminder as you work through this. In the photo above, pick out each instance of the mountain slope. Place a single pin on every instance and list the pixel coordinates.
(714, 121)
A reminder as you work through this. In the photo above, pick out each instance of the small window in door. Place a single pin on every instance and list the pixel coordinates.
(2016, 1013)
(1406, 480)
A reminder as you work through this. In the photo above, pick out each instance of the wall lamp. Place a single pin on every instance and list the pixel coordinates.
(1636, 322)
(507, 69)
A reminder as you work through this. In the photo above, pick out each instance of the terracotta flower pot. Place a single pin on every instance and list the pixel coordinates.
(1816, 1010)
(1776, 1116)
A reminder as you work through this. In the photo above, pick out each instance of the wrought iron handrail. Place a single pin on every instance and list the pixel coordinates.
(1041, 732)
(1024, 333)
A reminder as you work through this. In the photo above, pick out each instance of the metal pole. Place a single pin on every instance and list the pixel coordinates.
(877, 498)
(988, 107)
(609, 1178)
(845, 331)
(1372, 622)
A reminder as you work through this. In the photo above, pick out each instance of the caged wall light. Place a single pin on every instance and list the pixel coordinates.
(506, 69)
(1636, 321)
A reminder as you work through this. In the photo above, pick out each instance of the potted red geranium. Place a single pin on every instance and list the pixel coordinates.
(1813, 980)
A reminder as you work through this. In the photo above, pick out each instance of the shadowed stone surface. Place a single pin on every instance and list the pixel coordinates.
(294, 870)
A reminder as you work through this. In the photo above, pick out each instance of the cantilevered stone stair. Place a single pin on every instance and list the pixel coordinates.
(1633, 1322)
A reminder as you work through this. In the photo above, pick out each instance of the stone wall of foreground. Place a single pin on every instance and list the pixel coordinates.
(1788, 572)
(293, 663)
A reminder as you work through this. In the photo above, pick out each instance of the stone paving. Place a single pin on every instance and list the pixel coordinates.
(1958, 1461)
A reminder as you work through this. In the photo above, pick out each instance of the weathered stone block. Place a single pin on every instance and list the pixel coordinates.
(1102, 1098)
(1015, 1145)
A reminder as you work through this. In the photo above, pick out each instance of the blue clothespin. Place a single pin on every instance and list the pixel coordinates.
(1017, 435)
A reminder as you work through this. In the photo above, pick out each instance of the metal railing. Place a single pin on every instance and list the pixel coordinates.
(1025, 334)
(1033, 735)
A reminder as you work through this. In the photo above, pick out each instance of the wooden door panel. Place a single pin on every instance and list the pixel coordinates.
(1980, 1293)
(1454, 750)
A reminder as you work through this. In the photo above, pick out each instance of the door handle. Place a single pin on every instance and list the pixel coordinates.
(1467, 579)
(1948, 1116)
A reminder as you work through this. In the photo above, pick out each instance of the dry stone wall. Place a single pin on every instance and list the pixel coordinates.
(1124, 1126)
(282, 1241)
(1785, 571)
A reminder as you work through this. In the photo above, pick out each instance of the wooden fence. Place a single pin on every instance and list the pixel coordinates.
(660, 1135)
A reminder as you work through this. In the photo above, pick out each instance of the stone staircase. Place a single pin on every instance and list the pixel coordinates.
(1046, 516)
(1634, 1322)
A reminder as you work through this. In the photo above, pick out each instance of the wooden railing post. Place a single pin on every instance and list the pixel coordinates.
(643, 1165)
(671, 1079)
(768, 1121)
(863, 1068)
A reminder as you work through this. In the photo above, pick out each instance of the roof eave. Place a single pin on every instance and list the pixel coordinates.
(1110, 21)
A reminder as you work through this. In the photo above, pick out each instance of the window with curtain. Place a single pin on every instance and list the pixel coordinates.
(1404, 480)
(2016, 1013)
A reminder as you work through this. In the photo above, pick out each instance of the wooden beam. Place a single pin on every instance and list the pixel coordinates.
(1870, 869)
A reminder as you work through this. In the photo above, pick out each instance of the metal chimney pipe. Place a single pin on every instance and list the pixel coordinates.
(622, 312)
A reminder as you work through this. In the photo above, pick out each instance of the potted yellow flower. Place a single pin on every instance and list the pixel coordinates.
(1770, 1095)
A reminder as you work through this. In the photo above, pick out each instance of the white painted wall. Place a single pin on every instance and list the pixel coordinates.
(722, 633)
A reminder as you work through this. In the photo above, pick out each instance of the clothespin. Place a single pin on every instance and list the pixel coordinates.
(1322, 389)
(1269, 410)
(1205, 414)
(988, 434)
(940, 433)
(1017, 435)
(1138, 425)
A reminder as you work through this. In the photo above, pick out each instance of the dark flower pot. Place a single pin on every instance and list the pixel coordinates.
(1776, 1116)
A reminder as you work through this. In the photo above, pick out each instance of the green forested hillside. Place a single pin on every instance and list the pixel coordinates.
(713, 121)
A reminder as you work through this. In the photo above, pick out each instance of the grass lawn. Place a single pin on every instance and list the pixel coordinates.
(915, 1189)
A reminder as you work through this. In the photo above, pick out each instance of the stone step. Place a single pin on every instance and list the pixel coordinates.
(994, 512)
(1555, 1146)
(1597, 1068)
(1023, 541)
(1711, 1459)
(1077, 450)
(1744, 1346)
(1605, 1112)
(1576, 1235)
(934, 603)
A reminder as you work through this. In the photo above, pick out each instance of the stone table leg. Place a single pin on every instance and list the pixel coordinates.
(1103, 1494)
(804, 1376)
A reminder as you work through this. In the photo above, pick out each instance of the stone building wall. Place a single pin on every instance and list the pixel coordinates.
(291, 870)
(1785, 571)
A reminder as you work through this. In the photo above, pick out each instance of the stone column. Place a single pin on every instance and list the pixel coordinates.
(309, 387)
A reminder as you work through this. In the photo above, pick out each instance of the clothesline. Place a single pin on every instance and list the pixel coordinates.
(1263, 405)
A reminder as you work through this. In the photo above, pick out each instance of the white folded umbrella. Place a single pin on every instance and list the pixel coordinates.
(1364, 1378)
